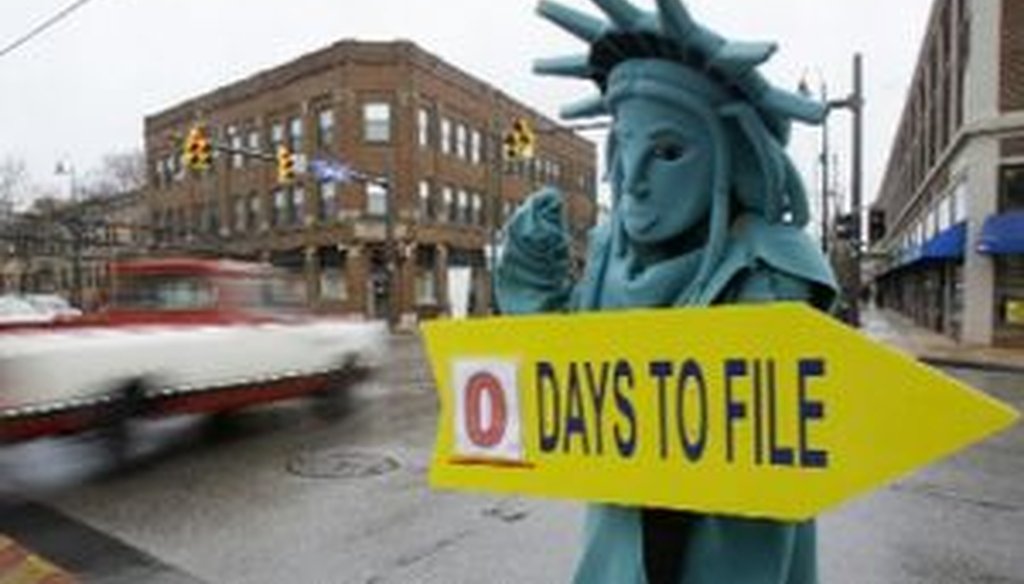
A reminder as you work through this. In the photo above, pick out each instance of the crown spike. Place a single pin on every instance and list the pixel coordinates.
(585, 108)
(622, 13)
(581, 25)
(567, 66)
(738, 58)
(794, 106)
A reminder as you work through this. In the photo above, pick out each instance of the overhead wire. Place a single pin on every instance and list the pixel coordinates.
(41, 27)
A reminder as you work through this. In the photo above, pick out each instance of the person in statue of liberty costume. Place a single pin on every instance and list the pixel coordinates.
(707, 209)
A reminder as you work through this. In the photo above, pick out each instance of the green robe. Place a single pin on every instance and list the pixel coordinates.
(761, 262)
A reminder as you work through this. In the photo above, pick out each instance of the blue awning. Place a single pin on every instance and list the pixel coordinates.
(947, 244)
(1003, 234)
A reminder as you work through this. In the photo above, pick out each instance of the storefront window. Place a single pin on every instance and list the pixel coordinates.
(1011, 188)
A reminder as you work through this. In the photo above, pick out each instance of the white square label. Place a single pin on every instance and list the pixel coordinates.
(487, 419)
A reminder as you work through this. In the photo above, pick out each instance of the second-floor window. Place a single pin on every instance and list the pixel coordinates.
(254, 140)
(295, 134)
(325, 129)
(276, 136)
(376, 200)
(235, 137)
(423, 127)
(460, 141)
(446, 135)
(475, 147)
(377, 121)
(425, 211)
(463, 212)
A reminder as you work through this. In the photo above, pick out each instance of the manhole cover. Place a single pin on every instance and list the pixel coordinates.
(341, 464)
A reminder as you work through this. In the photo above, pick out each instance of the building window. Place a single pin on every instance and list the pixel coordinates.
(960, 202)
(295, 134)
(276, 136)
(328, 201)
(254, 140)
(423, 127)
(325, 130)
(446, 135)
(1011, 188)
(254, 211)
(297, 209)
(237, 159)
(478, 209)
(425, 211)
(463, 211)
(475, 146)
(280, 207)
(376, 199)
(377, 121)
(332, 274)
(426, 279)
(240, 218)
(447, 206)
(460, 141)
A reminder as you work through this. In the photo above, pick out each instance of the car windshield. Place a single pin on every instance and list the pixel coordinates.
(164, 292)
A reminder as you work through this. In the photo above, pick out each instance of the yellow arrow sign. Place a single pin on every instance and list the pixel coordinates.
(764, 411)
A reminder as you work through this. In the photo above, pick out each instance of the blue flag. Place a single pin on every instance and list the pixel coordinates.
(330, 170)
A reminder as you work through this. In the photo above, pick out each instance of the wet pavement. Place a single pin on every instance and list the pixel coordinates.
(278, 495)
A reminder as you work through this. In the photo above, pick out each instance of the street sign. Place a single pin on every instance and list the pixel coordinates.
(763, 411)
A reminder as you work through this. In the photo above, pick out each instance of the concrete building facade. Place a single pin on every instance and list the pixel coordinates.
(952, 198)
(389, 110)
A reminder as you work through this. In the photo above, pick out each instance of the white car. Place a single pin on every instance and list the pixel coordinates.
(179, 336)
(15, 310)
(53, 305)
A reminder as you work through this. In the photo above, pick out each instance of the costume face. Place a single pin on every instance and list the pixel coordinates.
(666, 168)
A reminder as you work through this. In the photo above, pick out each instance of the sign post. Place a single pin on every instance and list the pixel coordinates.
(770, 411)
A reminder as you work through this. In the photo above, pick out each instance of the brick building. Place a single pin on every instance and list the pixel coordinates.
(389, 110)
(952, 198)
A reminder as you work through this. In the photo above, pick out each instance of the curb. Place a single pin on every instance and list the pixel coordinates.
(968, 364)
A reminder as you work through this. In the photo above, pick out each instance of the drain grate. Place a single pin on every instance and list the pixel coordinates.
(341, 464)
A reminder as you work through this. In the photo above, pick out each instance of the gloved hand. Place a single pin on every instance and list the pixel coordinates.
(533, 269)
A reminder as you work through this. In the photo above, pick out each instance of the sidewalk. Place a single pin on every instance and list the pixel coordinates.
(894, 329)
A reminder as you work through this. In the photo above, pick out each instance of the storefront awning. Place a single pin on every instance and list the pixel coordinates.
(1003, 234)
(948, 244)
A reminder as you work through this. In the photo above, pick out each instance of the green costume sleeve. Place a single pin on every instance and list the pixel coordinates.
(533, 268)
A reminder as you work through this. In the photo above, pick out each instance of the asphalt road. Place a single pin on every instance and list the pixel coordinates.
(279, 496)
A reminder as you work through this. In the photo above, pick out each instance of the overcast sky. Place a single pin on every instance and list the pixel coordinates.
(81, 89)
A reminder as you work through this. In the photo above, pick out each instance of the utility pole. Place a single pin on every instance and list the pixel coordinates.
(856, 182)
(824, 175)
(497, 174)
(392, 253)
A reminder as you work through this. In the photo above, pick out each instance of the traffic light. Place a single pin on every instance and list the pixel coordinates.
(876, 225)
(519, 142)
(511, 146)
(198, 152)
(846, 226)
(285, 166)
(527, 141)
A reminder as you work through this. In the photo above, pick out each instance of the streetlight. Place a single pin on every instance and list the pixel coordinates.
(65, 167)
(75, 228)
